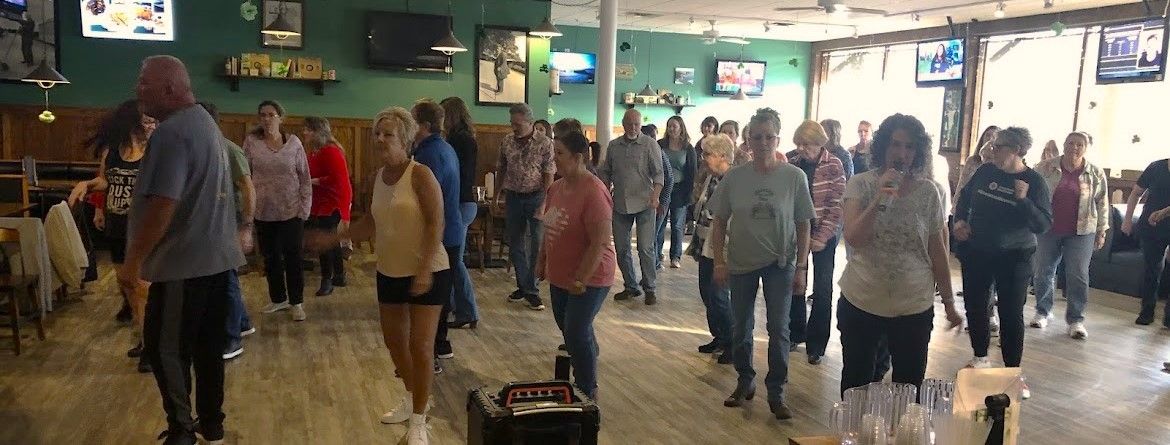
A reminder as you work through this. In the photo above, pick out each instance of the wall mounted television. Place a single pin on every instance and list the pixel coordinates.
(939, 62)
(402, 41)
(732, 75)
(14, 5)
(127, 20)
(1133, 51)
(574, 67)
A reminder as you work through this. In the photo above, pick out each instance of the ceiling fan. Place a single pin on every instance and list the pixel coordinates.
(833, 7)
(712, 36)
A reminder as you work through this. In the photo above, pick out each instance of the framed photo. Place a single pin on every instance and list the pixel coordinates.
(684, 76)
(625, 71)
(952, 121)
(501, 68)
(294, 13)
(32, 36)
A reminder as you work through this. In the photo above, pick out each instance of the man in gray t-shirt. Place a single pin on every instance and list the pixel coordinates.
(182, 238)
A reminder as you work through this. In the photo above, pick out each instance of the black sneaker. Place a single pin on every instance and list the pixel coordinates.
(516, 297)
(339, 281)
(135, 352)
(627, 294)
(443, 350)
(726, 358)
(814, 359)
(651, 299)
(124, 315)
(210, 434)
(325, 289)
(144, 366)
(534, 302)
(438, 368)
(1146, 318)
(711, 348)
(234, 349)
(178, 437)
(562, 347)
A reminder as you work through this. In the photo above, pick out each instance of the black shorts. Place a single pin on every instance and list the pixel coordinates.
(117, 250)
(397, 290)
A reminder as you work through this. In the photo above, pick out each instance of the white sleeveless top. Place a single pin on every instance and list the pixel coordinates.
(400, 227)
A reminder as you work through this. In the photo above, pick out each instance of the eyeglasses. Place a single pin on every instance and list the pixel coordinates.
(763, 137)
(1004, 147)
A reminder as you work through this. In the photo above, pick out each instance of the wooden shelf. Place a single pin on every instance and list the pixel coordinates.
(677, 107)
(317, 84)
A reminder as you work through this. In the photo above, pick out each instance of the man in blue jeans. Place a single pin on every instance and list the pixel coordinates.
(633, 167)
(524, 171)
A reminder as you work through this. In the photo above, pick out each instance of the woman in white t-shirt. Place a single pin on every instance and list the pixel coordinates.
(895, 221)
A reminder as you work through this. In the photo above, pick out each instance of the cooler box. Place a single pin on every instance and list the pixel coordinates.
(551, 412)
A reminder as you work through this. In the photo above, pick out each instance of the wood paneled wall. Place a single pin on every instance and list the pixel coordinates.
(22, 134)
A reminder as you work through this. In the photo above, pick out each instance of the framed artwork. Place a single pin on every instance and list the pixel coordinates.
(501, 68)
(684, 76)
(624, 71)
(31, 36)
(294, 13)
(952, 120)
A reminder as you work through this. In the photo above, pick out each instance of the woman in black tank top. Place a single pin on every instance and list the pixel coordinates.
(120, 143)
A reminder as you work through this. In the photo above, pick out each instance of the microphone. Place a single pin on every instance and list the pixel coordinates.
(889, 199)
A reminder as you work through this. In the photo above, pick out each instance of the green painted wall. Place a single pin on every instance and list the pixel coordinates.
(103, 72)
(658, 54)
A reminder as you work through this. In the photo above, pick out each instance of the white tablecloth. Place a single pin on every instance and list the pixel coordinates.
(34, 256)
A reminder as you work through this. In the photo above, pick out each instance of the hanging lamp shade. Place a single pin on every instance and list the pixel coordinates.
(545, 30)
(647, 91)
(739, 95)
(45, 76)
(280, 28)
(449, 45)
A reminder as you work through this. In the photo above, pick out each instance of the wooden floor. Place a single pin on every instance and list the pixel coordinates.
(327, 380)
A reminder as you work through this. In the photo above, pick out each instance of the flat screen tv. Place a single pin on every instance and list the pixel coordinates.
(574, 67)
(733, 75)
(402, 41)
(127, 20)
(939, 62)
(1132, 51)
(14, 5)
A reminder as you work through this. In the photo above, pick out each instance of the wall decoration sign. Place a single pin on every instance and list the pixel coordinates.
(294, 13)
(501, 68)
(684, 76)
(31, 34)
(952, 120)
(625, 71)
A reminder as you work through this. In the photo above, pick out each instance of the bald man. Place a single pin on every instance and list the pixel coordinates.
(182, 239)
(633, 167)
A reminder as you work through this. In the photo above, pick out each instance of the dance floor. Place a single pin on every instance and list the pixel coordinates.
(328, 379)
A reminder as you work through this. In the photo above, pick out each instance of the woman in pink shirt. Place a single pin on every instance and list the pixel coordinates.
(577, 220)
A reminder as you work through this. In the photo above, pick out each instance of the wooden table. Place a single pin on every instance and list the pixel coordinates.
(14, 208)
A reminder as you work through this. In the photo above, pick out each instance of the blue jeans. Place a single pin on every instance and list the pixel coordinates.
(777, 303)
(463, 298)
(1075, 251)
(677, 217)
(574, 315)
(622, 225)
(237, 320)
(524, 232)
(717, 300)
(815, 331)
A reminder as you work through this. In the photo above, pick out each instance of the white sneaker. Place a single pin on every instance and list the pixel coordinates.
(298, 312)
(979, 363)
(1040, 321)
(675, 264)
(1077, 331)
(418, 432)
(403, 411)
(276, 307)
(1025, 393)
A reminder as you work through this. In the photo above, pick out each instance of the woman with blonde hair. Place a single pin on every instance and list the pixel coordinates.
(718, 157)
(459, 131)
(414, 277)
(826, 183)
(763, 214)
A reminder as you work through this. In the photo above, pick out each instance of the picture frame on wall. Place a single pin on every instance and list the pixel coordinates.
(33, 36)
(950, 135)
(684, 76)
(294, 13)
(501, 65)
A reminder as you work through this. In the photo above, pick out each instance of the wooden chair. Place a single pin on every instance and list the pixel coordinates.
(477, 238)
(10, 284)
(497, 233)
(14, 189)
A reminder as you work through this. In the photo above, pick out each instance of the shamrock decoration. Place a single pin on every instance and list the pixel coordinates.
(248, 10)
(1057, 27)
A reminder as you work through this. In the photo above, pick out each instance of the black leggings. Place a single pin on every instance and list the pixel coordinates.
(1010, 271)
(280, 243)
(867, 340)
(332, 264)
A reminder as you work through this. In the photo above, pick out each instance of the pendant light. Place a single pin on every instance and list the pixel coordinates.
(45, 77)
(545, 29)
(648, 91)
(281, 28)
(449, 44)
